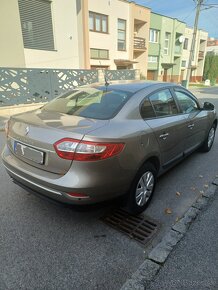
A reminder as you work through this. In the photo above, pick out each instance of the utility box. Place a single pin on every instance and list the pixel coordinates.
(207, 83)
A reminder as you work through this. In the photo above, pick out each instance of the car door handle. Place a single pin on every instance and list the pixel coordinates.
(191, 126)
(164, 136)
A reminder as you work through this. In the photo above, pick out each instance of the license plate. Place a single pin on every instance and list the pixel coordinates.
(28, 152)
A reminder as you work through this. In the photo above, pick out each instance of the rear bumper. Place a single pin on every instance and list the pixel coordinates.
(34, 187)
(57, 187)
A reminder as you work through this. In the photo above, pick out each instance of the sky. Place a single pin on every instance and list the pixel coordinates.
(184, 10)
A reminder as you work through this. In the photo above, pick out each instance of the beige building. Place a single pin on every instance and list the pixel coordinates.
(43, 34)
(111, 34)
(199, 55)
(118, 35)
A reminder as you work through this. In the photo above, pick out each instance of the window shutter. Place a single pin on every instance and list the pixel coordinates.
(36, 22)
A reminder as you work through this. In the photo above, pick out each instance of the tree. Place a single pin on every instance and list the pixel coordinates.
(211, 67)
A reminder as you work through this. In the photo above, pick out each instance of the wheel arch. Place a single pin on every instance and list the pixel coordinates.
(154, 160)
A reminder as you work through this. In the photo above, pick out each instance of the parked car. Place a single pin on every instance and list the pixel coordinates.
(99, 142)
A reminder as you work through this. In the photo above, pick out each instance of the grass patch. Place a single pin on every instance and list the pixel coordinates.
(198, 85)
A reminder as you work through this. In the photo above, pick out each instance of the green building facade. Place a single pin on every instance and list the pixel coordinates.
(165, 48)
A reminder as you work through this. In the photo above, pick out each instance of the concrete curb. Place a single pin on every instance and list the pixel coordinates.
(158, 255)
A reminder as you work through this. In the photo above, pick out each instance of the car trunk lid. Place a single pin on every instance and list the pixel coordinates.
(32, 135)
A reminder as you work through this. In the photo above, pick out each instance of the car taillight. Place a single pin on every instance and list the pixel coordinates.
(73, 149)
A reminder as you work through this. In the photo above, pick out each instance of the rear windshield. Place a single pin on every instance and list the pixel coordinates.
(89, 103)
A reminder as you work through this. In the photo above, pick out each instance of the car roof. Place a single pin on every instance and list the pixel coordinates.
(131, 86)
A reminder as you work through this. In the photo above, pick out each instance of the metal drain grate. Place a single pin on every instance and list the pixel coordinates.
(140, 228)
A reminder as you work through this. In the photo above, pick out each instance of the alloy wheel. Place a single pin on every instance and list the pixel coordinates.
(144, 188)
(211, 136)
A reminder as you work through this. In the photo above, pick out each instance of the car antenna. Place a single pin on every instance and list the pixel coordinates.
(106, 83)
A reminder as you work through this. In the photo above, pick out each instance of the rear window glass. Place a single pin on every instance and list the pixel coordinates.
(89, 103)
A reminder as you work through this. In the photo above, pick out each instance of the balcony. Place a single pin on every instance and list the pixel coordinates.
(201, 55)
(177, 49)
(139, 44)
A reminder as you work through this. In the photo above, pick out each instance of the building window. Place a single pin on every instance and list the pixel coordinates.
(184, 63)
(166, 43)
(154, 35)
(121, 31)
(152, 58)
(99, 53)
(36, 24)
(185, 45)
(98, 22)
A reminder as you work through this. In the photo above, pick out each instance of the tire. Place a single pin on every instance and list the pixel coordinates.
(208, 143)
(142, 189)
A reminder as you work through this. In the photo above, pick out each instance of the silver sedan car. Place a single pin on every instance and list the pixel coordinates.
(98, 142)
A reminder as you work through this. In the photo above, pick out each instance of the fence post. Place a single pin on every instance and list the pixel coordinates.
(137, 74)
(101, 75)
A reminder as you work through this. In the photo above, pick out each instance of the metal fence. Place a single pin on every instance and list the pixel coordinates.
(23, 86)
(120, 74)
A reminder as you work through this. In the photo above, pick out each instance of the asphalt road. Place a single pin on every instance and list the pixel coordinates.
(193, 263)
(46, 246)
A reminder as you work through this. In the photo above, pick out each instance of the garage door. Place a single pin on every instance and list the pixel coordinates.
(151, 75)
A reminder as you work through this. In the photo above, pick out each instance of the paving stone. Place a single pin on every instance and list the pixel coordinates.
(172, 238)
(215, 182)
(146, 272)
(200, 203)
(132, 284)
(210, 191)
(183, 224)
(160, 253)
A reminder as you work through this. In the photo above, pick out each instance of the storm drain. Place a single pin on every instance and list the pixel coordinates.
(141, 228)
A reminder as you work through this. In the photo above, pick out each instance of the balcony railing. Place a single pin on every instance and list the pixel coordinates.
(201, 55)
(139, 43)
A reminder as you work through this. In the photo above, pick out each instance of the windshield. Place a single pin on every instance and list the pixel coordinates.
(89, 103)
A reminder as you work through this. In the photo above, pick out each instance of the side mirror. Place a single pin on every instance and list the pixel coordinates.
(208, 106)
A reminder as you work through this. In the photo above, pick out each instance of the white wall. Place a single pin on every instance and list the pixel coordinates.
(65, 26)
(201, 35)
(186, 52)
(114, 9)
(11, 41)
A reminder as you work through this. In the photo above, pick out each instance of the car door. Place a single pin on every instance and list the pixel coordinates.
(167, 124)
(196, 119)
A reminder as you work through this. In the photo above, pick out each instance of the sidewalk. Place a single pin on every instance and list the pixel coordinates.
(193, 265)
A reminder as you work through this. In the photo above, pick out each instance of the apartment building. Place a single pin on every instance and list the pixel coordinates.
(165, 48)
(43, 34)
(110, 34)
(197, 67)
(106, 34)
(118, 35)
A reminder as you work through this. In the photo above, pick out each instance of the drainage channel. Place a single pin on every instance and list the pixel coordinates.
(140, 228)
